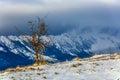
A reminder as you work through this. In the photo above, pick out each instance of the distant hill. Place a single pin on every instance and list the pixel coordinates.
(15, 50)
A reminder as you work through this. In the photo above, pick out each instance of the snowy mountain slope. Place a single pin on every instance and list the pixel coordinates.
(98, 67)
(16, 51)
(13, 52)
(81, 43)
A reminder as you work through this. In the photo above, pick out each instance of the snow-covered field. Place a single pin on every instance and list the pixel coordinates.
(98, 67)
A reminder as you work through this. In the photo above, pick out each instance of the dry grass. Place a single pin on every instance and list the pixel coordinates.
(40, 63)
(31, 67)
(76, 65)
(38, 74)
(94, 54)
(23, 68)
(56, 73)
(96, 64)
(76, 59)
(45, 77)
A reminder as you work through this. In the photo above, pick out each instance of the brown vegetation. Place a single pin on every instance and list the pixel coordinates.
(76, 59)
(36, 41)
(38, 30)
(76, 65)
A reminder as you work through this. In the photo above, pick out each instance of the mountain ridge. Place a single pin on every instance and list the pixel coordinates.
(62, 47)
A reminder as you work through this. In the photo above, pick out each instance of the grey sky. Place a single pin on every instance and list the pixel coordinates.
(61, 13)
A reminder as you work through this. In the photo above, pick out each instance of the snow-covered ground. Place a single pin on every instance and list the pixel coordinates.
(98, 67)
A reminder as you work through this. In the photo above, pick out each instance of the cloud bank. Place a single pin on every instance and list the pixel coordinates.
(62, 14)
(33, 6)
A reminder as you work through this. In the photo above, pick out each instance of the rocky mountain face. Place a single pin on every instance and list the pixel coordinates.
(15, 50)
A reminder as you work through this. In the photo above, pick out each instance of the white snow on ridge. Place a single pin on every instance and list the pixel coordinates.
(85, 69)
(94, 42)
(2, 49)
(17, 46)
(47, 58)
(4, 40)
(71, 42)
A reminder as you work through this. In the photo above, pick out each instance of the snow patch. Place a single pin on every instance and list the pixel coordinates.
(70, 70)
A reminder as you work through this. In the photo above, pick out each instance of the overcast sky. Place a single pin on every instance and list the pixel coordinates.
(62, 15)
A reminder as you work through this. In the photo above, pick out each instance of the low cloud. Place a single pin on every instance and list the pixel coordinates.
(63, 15)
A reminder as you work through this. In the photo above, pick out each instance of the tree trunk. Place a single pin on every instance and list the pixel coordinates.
(37, 59)
(37, 56)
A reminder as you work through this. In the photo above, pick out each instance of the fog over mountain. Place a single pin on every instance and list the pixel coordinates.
(62, 15)
(82, 43)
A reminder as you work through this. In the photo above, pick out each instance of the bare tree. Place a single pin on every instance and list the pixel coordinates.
(35, 38)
